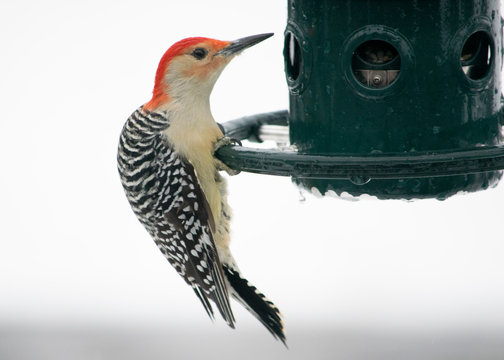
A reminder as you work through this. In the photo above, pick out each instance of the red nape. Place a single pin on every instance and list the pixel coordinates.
(159, 94)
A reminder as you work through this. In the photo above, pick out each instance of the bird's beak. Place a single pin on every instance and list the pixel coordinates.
(241, 44)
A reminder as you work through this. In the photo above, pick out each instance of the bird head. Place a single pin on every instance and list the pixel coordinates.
(190, 68)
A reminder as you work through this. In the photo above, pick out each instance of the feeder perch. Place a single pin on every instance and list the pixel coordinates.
(388, 98)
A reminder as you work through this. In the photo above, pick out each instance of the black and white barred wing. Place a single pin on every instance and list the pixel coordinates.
(184, 225)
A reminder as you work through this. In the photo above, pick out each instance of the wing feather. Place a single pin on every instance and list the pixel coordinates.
(185, 228)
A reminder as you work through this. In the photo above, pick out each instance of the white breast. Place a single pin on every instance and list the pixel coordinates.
(193, 133)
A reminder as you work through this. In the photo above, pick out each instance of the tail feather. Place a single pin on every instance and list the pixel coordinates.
(205, 302)
(255, 302)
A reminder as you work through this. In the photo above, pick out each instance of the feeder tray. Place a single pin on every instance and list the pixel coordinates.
(388, 98)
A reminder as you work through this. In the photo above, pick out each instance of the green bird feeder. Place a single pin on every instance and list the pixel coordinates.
(391, 98)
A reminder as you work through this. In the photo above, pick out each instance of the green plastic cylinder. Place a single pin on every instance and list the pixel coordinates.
(375, 77)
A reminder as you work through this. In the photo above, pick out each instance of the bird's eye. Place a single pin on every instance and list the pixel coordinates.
(199, 53)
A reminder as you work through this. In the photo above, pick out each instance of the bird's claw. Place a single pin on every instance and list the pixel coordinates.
(226, 140)
(223, 142)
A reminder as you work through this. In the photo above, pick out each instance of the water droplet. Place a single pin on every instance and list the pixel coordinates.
(302, 198)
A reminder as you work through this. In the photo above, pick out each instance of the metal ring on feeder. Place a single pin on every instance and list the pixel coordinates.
(384, 166)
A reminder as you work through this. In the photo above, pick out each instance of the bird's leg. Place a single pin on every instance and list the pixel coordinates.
(223, 141)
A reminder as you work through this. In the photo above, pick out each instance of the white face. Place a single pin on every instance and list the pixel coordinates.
(195, 70)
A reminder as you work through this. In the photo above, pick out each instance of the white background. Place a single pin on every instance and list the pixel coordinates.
(80, 277)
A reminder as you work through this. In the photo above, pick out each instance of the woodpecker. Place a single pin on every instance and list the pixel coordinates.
(171, 178)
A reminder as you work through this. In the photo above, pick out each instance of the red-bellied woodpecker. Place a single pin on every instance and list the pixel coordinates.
(171, 177)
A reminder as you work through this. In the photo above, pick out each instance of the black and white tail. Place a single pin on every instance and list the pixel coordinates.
(255, 302)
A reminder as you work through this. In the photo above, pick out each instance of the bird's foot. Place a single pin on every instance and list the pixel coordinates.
(223, 141)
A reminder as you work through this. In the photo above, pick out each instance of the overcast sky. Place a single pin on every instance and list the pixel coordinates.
(72, 252)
